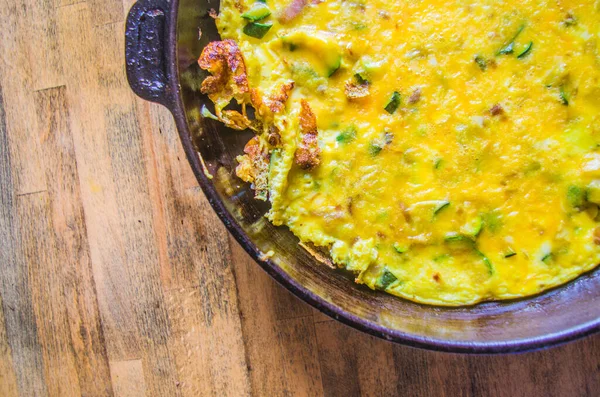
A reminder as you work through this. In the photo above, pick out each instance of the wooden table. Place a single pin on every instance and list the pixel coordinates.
(116, 277)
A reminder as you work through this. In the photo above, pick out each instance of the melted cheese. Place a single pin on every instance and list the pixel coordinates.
(481, 184)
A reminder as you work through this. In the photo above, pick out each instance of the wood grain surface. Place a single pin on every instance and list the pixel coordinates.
(116, 277)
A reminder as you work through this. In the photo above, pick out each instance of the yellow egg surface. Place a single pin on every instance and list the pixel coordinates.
(456, 152)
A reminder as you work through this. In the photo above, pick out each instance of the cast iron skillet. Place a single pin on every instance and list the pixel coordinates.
(162, 45)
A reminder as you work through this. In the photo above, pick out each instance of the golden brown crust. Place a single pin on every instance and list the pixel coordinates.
(274, 137)
(277, 101)
(273, 104)
(354, 90)
(307, 153)
(256, 99)
(318, 253)
(235, 120)
(253, 167)
(223, 59)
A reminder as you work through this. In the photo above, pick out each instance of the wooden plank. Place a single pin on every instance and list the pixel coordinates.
(286, 344)
(301, 356)
(39, 257)
(8, 378)
(106, 11)
(196, 272)
(141, 256)
(19, 318)
(204, 361)
(287, 306)
(422, 372)
(353, 363)
(97, 186)
(116, 200)
(339, 368)
(42, 45)
(70, 268)
(16, 82)
(128, 378)
(543, 373)
(127, 4)
(21, 333)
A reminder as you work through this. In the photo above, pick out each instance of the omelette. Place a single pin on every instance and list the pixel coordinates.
(446, 152)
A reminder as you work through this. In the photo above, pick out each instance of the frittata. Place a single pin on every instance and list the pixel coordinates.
(446, 152)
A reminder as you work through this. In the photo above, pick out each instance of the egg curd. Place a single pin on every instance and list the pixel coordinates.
(447, 152)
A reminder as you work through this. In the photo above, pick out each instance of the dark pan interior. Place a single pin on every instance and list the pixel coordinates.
(556, 316)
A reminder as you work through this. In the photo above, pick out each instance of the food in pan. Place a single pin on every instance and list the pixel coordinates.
(447, 152)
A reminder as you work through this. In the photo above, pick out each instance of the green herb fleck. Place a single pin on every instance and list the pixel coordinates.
(473, 227)
(564, 95)
(487, 262)
(457, 238)
(401, 249)
(347, 136)
(570, 20)
(381, 216)
(257, 29)
(526, 51)
(360, 79)
(386, 279)
(441, 206)
(492, 221)
(576, 196)
(358, 25)
(393, 103)
(481, 62)
(375, 148)
(258, 12)
(533, 167)
(510, 46)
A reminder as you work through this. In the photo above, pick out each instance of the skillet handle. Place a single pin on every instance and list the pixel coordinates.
(149, 58)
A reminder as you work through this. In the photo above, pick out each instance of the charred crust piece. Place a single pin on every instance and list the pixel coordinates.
(357, 87)
(257, 101)
(307, 153)
(235, 120)
(415, 97)
(253, 167)
(277, 101)
(497, 110)
(274, 138)
(273, 104)
(223, 59)
(355, 90)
